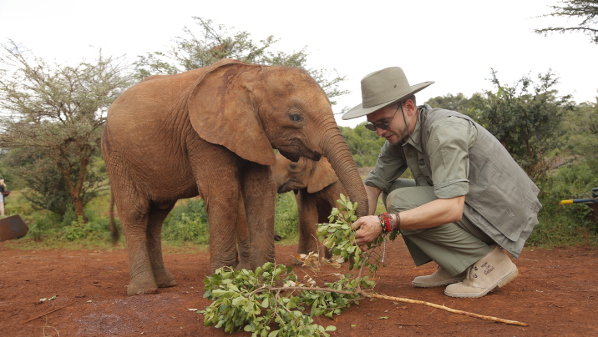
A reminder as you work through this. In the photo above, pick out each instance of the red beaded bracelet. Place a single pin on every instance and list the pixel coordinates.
(385, 222)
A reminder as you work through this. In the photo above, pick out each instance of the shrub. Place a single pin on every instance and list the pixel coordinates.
(187, 222)
(566, 224)
(286, 216)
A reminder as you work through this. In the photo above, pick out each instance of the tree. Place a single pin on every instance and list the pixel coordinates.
(364, 144)
(586, 10)
(54, 118)
(452, 102)
(207, 44)
(525, 118)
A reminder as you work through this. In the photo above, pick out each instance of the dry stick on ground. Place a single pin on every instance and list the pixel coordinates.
(400, 299)
(488, 318)
(47, 313)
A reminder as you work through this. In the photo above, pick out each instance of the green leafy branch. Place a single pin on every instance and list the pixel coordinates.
(339, 238)
(271, 296)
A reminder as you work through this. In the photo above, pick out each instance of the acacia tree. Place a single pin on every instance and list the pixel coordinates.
(525, 118)
(54, 116)
(583, 126)
(206, 44)
(585, 10)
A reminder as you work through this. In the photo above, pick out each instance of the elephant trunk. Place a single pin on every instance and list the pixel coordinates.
(337, 152)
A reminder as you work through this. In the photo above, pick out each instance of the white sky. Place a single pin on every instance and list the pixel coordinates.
(454, 43)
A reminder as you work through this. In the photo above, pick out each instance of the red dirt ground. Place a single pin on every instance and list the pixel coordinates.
(555, 294)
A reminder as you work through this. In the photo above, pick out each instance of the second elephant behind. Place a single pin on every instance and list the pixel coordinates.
(317, 189)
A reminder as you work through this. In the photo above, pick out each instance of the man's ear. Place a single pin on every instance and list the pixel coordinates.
(409, 107)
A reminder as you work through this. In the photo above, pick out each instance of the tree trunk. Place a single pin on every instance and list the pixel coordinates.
(76, 190)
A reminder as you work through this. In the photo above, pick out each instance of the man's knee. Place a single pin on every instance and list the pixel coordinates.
(402, 199)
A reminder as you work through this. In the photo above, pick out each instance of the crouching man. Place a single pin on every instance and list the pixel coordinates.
(469, 202)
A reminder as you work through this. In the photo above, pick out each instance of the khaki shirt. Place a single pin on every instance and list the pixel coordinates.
(448, 146)
(465, 159)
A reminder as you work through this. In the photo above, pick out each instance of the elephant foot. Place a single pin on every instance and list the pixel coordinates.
(164, 279)
(141, 288)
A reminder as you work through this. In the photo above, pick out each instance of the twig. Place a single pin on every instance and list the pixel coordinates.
(407, 300)
(400, 299)
(47, 313)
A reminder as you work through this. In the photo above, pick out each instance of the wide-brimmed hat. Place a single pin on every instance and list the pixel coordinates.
(382, 88)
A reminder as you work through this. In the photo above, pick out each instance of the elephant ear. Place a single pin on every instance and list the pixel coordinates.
(323, 175)
(222, 110)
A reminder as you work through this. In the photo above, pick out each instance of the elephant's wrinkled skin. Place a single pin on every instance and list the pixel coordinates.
(211, 132)
(316, 188)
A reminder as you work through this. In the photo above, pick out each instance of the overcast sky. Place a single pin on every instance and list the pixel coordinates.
(454, 43)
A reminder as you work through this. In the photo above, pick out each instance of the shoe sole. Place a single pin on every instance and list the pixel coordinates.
(500, 283)
(437, 284)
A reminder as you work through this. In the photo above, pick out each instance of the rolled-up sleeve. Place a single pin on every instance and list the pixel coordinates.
(389, 167)
(448, 148)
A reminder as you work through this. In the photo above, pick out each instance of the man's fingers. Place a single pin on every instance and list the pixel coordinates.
(357, 224)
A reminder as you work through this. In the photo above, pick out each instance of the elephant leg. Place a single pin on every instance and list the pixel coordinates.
(259, 194)
(223, 221)
(156, 218)
(308, 218)
(135, 226)
(217, 177)
(243, 239)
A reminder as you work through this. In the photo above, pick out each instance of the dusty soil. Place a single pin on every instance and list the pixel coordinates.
(556, 294)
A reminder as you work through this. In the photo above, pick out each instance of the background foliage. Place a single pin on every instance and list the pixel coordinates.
(52, 117)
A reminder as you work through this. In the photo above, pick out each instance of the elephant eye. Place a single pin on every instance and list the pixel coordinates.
(293, 166)
(296, 118)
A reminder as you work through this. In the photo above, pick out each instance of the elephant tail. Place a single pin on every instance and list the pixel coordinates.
(114, 234)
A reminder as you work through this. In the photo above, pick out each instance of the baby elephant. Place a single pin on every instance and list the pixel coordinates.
(316, 189)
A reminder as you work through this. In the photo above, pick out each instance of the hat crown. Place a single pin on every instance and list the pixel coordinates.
(384, 86)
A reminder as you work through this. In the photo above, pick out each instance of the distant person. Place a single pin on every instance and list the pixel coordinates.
(469, 201)
(2, 190)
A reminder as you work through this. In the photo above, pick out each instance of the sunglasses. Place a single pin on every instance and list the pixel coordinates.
(379, 125)
(382, 125)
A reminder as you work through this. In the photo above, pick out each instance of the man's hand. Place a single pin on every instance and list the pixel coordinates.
(368, 230)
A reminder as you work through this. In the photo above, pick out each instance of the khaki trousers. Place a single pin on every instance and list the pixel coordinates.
(454, 246)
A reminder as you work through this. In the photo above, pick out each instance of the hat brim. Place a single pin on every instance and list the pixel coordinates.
(359, 110)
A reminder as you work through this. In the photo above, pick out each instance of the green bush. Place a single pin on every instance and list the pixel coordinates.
(187, 222)
(566, 224)
(42, 224)
(95, 228)
(286, 216)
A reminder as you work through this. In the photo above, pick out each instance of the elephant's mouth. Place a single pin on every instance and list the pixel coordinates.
(294, 156)
(289, 155)
(283, 189)
(288, 186)
(295, 148)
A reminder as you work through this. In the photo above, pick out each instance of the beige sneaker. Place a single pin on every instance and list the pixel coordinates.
(440, 278)
(494, 269)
